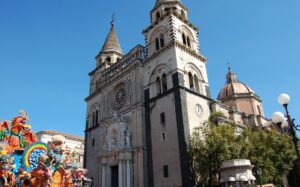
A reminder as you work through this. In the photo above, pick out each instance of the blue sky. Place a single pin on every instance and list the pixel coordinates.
(48, 47)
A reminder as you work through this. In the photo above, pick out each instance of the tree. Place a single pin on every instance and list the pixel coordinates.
(271, 151)
(209, 149)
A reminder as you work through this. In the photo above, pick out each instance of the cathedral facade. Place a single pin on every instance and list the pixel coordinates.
(144, 105)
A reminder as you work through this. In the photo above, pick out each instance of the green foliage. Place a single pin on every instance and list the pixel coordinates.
(272, 152)
(213, 118)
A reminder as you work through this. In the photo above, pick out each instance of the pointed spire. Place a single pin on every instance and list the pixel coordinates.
(112, 43)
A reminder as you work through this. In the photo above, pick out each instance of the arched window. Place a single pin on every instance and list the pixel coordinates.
(158, 86)
(258, 109)
(183, 39)
(188, 41)
(157, 15)
(196, 83)
(191, 81)
(164, 83)
(156, 44)
(162, 41)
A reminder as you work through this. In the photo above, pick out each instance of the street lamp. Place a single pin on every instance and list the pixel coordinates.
(287, 122)
(259, 173)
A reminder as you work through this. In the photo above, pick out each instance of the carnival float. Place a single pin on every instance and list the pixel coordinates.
(26, 162)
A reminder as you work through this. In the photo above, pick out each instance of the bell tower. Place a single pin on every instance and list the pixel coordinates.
(111, 51)
(177, 96)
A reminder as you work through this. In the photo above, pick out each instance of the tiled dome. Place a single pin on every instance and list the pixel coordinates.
(234, 88)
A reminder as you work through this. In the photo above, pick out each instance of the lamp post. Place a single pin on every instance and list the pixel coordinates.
(286, 121)
(259, 173)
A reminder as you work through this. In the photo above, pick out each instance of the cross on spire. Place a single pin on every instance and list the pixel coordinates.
(228, 64)
(113, 19)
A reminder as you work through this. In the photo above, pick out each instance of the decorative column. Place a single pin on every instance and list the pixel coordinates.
(103, 173)
(120, 173)
(128, 173)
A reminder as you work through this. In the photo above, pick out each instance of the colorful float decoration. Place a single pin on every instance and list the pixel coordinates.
(26, 162)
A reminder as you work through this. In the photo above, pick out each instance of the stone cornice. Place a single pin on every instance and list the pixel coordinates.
(179, 45)
(237, 167)
(180, 17)
(108, 52)
(157, 53)
(242, 95)
(169, 3)
(191, 52)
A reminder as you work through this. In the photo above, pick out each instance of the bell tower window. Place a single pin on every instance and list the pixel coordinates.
(164, 83)
(188, 41)
(158, 86)
(191, 81)
(162, 41)
(183, 39)
(96, 117)
(156, 44)
(196, 83)
(108, 59)
(182, 13)
(157, 16)
(93, 119)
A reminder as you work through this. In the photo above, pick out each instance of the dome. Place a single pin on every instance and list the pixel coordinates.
(233, 88)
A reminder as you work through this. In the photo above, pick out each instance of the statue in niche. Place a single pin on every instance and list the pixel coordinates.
(114, 137)
(127, 138)
(122, 138)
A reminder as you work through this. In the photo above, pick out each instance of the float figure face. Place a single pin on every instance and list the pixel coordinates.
(19, 120)
(26, 128)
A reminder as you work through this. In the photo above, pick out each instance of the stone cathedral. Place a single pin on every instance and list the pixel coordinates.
(143, 106)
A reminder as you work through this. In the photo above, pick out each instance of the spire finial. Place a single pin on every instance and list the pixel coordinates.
(230, 77)
(113, 20)
(229, 67)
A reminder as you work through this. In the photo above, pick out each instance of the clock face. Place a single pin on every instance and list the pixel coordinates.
(199, 110)
(120, 95)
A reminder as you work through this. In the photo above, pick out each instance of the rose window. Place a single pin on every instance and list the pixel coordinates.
(120, 96)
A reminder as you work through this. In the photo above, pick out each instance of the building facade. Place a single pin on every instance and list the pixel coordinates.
(144, 105)
(73, 144)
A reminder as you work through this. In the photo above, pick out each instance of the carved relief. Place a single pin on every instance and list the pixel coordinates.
(118, 135)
